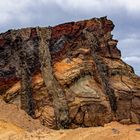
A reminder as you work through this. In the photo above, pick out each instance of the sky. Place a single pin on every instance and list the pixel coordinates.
(125, 14)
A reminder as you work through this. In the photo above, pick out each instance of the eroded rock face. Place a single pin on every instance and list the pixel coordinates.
(99, 87)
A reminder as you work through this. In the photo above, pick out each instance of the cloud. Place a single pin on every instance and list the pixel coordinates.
(22, 11)
(130, 5)
(130, 46)
(10, 9)
(132, 59)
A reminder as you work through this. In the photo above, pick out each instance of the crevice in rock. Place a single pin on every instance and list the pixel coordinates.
(101, 69)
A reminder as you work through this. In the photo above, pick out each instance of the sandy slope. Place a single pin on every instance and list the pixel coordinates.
(7, 130)
(112, 131)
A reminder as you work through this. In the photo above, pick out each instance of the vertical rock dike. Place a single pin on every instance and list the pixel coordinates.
(53, 88)
(101, 69)
(25, 73)
(27, 102)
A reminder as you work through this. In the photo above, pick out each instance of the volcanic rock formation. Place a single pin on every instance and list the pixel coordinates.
(69, 75)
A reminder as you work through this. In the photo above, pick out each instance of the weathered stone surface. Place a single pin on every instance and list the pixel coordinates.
(99, 87)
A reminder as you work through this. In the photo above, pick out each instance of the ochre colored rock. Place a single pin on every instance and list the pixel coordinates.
(99, 87)
(12, 114)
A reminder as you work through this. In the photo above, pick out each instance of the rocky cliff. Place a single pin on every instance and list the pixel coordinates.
(71, 73)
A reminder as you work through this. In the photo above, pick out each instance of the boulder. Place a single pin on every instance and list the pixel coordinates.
(98, 86)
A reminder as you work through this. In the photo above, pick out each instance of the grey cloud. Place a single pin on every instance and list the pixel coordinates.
(134, 59)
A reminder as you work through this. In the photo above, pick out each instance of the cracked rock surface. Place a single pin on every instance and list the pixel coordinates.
(86, 64)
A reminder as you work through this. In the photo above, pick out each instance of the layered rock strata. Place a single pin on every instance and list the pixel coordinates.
(81, 68)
